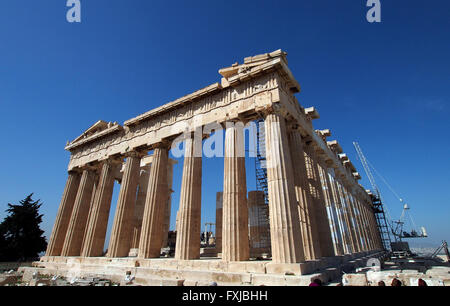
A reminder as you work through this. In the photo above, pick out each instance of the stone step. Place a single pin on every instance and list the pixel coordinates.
(201, 272)
(170, 277)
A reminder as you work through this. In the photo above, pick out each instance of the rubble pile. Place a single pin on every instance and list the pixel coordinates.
(14, 278)
(408, 271)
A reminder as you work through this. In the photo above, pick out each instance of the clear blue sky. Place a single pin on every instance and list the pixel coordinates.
(385, 85)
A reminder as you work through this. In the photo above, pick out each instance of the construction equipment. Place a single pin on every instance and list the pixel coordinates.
(396, 226)
(261, 170)
(444, 246)
(398, 230)
(377, 204)
(260, 160)
(383, 226)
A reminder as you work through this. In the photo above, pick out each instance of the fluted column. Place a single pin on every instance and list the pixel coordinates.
(121, 233)
(94, 240)
(359, 226)
(219, 215)
(77, 225)
(308, 226)
(368, 229)
(379, 242)
(373, 229)
(140, 205)
(59, 231)
(157, 194)
(328, 193)
(354, 221)
(167, 210)
(376, 229)
(345, 239)
(188, 235)
(348, 219)
(235, 243)
(286, 237)
(258, 223)
(345, 219)
(366, 236)
(324, 232)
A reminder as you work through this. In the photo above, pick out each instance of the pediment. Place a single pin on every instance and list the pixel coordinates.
(95, 128)
(98, 129)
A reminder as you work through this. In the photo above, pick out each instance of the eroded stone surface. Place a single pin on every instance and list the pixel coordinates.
(316, 207)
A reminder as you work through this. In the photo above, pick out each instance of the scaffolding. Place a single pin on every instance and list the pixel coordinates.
(261, 181)
(260, 160)
(377, 204)
(383, 227)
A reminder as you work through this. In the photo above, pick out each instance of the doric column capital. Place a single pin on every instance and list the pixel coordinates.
(307, 141)
(163, 144)
(93, 167)
(114, 160)
(293, 126)
(75, 171)
(274, 108)
(135, 153)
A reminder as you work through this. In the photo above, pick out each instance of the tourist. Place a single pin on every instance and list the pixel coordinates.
(396, 283)
(381, 284)
(422, 283)
(316, 283)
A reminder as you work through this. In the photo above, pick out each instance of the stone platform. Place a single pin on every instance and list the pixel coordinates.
(172, 272)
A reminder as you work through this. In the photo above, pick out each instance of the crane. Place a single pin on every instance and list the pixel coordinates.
(377, 202)
(397, 226)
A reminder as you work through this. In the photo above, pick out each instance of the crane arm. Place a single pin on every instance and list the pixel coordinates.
(366, 168)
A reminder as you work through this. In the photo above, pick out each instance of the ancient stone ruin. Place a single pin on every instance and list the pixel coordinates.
(319, 217)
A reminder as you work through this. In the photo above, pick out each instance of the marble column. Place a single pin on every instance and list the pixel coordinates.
(376, 229)
(77, 225)
(349, 235)
(366, 229)
(258, 222)
(360, 216)
(219, 214)
(328, 194)
(121, 233)
(366, 236)
(91, 205)
(348, 218)
(324, 232)
(354, 224)
(168, 209)
(157, 195)
(369, 229)
(308, 226)
(235, 242)
(286, 237)
(346, 240)
(379, 242)
(56, 242)
(140, 205)
(188, 235)
(94, 239)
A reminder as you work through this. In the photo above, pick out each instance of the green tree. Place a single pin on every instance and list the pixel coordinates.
(21, 237)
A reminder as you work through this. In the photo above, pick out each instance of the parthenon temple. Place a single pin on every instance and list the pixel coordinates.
(318, 216)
